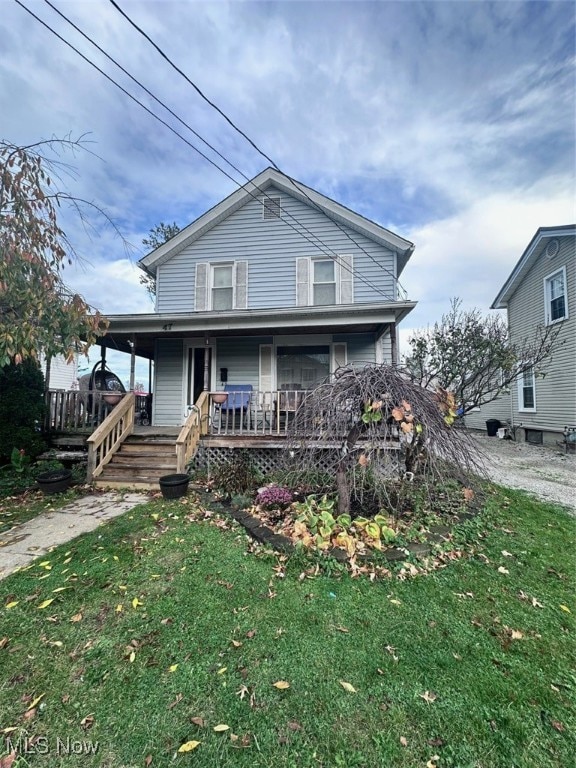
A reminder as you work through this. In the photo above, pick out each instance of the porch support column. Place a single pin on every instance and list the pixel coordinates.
(206, 364)
(393, 344)
(132, 361)
(47, 376)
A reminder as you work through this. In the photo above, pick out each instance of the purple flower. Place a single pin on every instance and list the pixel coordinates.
(273, 496)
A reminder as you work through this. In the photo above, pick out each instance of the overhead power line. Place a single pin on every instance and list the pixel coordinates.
(294, 182)
(319, 245)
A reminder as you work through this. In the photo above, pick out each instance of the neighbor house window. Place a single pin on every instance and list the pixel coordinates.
(527, 391)
(222, 286)
(323, 282)
(555, 296)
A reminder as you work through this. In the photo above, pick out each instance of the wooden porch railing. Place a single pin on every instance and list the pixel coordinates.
(82, 411)
(108, 437)
(194, 427)
(264, 413)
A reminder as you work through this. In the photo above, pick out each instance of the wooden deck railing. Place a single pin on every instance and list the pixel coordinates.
(108, 437)
(194, 427)
(82, 411)
(262, 413)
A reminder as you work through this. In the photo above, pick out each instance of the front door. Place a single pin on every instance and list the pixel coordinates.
(196, 368)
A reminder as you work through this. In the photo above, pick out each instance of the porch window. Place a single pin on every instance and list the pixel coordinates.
(222, 286)
(302, 367)
(555, 297)
(527, 391)
(324, 282)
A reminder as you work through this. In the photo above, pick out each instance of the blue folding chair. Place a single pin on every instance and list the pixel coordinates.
(237, 404)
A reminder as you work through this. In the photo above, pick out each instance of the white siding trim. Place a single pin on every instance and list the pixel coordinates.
(201, 287)
(303, 282)
(241, 285)
(345, 276)
(266, 373)
(339, 356)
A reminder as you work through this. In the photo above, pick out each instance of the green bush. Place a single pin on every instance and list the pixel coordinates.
(21, 409)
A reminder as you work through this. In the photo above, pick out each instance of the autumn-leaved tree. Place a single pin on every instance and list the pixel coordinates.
(157, 236)
(473, 357)
(38, 312)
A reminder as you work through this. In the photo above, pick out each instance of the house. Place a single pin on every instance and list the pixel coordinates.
(58, 373)
(541, 290)
(270, 291)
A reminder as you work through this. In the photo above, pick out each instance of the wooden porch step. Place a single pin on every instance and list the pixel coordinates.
(140, 462)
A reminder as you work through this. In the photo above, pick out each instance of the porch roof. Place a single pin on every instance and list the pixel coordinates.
(144, 329)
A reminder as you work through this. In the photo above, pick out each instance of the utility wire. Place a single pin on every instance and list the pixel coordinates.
(192, 146)
(249, 140)
(189, 127)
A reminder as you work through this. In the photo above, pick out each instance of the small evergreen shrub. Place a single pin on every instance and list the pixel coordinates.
(21, 409)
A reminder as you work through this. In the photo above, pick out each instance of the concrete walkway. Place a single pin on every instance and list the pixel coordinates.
(24, 543)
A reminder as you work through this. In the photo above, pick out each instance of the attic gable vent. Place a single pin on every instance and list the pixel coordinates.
(271, 208)
(552, 248)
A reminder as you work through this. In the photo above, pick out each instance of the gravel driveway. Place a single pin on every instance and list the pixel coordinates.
(547, 472)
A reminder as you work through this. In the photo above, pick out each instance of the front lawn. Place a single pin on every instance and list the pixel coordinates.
(163, 630)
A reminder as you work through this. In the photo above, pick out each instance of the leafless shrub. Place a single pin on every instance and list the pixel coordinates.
(376, 431)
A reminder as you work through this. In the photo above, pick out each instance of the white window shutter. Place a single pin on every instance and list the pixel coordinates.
(266, 379)
(345, 264)
(241, 284)
(201, 289)
(302, 282)
(339, 355)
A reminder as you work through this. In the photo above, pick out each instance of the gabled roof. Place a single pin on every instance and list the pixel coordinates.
(272, 178)
(527, 260)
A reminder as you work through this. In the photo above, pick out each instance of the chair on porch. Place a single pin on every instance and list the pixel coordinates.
(290, 396)
(234, 411)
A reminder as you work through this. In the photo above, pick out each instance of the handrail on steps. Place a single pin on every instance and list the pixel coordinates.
(109, 436)
(194, 427)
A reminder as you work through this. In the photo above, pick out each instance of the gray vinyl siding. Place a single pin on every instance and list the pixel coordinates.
(271, 247)
(359, 347)
(556, 391)
(242, 358)
(497, 409)
(168, 403)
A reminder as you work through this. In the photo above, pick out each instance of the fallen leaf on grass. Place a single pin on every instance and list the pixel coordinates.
(432, 762)
(12, 604)
(242, 692)
(236, 643)
(148, 761)
(565, 609)
(557, 725)
(136, 603)
(189, 746)
(8, 760)
(282, 685)
(177, 700)
(46, 603)
(36, 701)
(404, 741)
(221, 728)
(507, 554)
(200, 722)
(429, 697)
(173, 667)
(76, 617)
(515, 634)
(132, 657)
(347, 686)
(501, 569)
(294, 725)
(88, 721)
(251, 633)
(4, 642)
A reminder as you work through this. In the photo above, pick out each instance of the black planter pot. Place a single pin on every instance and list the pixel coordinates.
(174, 486)
(54, 481)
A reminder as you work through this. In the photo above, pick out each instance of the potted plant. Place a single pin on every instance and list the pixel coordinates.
(112, 398)
(219, 397)
(174, 486)
(54, 480)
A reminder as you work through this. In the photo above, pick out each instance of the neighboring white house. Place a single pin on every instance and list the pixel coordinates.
(541, 290)
(62, 375)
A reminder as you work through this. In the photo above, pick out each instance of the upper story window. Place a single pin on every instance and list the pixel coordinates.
(222, 286)
(555, 297)
(271, 207)
(323, 282)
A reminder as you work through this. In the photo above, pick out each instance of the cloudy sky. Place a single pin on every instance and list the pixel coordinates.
(451, 123)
